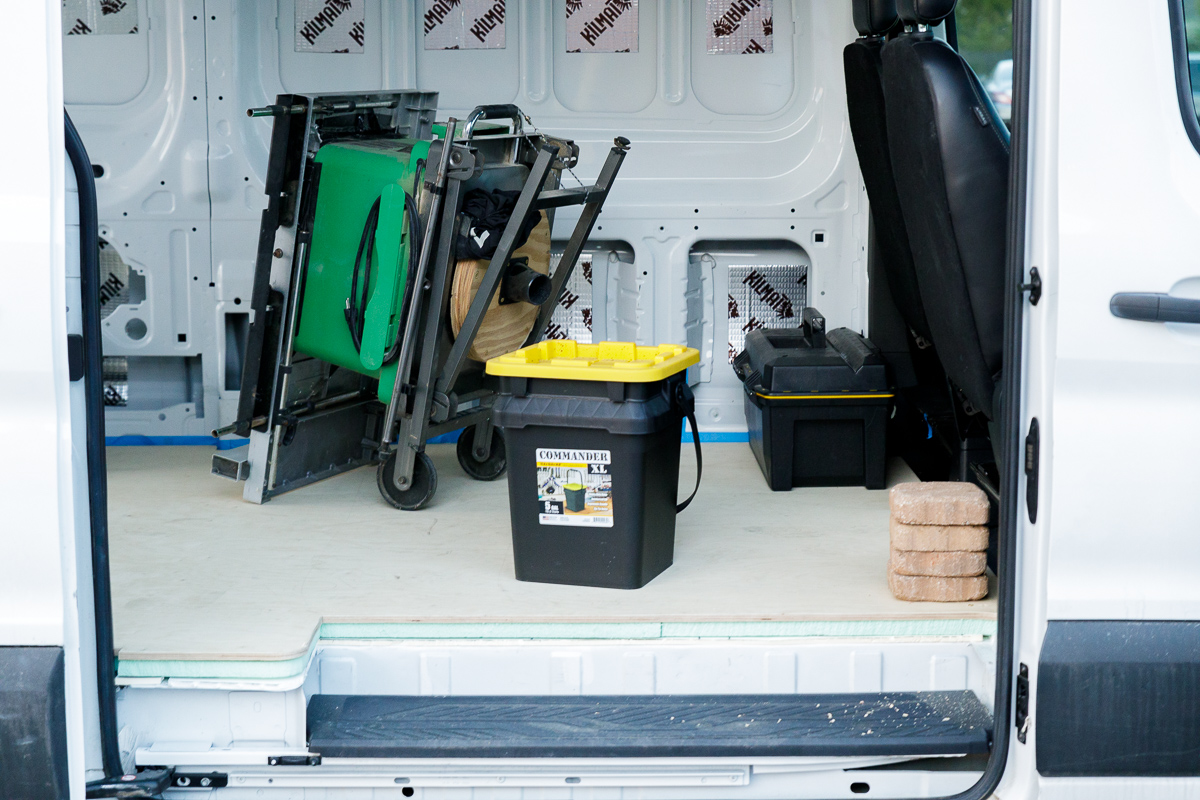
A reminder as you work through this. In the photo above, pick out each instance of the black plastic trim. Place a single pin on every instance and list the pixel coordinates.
(1119, 699)
(1183, 80)
(1009, 412)
(74, 357)
(33, 724)
(89, 289)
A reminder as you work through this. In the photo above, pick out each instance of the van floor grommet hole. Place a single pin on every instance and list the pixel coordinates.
(860, 788)
(408, 791)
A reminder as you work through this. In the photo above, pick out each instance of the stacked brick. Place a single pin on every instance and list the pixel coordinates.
(939, 542)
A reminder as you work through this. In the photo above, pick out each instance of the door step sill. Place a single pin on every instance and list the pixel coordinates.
(648, 726)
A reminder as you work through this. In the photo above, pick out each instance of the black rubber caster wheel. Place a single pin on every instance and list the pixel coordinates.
(419, 492)
(489, 469)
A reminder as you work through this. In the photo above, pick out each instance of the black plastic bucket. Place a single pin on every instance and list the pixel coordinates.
(593, 474)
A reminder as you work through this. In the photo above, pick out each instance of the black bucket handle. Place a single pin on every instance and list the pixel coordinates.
(686, 401)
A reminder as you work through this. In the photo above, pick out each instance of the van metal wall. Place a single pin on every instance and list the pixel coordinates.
(729, 150)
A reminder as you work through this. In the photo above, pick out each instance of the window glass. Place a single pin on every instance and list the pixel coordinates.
(1191, 20)
(985, 33)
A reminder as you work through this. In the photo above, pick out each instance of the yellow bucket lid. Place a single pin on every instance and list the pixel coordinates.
(565, 359)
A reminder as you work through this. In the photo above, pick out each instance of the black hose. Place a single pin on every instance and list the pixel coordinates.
(356, 308)
(414, 241)
(89, 289)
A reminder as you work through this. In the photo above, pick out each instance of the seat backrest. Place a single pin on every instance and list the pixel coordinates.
(868, 126)
(950, 154)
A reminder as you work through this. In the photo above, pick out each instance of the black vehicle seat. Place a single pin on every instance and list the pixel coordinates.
(868, 126)
(950, 154)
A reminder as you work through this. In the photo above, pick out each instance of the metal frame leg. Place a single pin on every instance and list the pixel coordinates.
(482, 450)
(583, 229)
(526, 205)
(412, 428)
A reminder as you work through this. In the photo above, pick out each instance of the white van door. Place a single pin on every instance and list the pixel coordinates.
(45, 661)
(1111, 552)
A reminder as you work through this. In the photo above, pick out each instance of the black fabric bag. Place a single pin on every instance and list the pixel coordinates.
(488, 213)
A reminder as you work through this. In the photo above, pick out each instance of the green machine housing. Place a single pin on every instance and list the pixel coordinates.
(353, 177)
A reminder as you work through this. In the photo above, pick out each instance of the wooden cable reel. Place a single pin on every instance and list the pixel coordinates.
(504, 327)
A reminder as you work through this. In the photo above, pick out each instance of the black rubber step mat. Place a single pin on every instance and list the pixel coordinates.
(903, 723)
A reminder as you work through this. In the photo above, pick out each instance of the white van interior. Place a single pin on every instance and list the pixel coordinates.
(289, 618)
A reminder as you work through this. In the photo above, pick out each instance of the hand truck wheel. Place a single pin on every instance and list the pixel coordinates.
(419, 492)
(490, 468)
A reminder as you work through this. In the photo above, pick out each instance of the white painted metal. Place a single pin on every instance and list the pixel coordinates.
(1113, 206)
(1122, 427)
(572, 780)
(233, 728)
(1118, 788)
(1114, 196)
(140, 105)
(733, 148)
(697, 666)
(39, 530)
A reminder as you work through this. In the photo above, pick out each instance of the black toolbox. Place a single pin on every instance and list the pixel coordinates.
(816, 405)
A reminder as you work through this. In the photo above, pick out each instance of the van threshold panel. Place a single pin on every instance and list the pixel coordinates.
(877, 724)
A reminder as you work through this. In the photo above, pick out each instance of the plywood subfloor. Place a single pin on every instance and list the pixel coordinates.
(200, 574)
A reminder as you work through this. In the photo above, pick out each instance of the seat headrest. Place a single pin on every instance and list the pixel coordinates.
(874, 17)
(924, 12)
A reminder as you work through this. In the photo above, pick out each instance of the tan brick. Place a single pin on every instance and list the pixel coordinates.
(938, 590)
(939, 503)
(945, 564)
(939, 537)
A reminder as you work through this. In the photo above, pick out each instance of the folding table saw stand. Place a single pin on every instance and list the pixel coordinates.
(308, 421)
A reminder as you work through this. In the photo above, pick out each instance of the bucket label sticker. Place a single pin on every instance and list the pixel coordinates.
(574, 487)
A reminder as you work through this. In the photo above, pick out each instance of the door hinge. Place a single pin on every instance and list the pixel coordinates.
(1021, 717)
(1034, 287)
(1032, 457)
